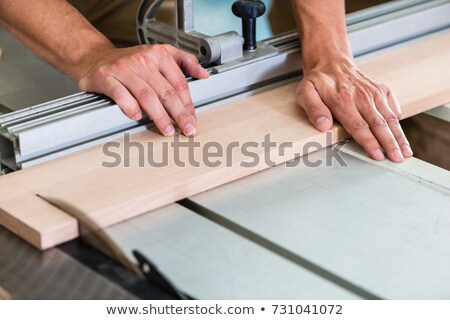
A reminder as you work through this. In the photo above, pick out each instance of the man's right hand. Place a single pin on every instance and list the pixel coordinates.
(147, 78)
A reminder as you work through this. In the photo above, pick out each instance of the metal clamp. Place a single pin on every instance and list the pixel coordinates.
(208, 49)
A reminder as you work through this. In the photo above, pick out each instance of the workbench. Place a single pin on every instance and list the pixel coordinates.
(353, 229)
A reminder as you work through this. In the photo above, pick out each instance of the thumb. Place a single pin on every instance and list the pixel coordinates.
(309, 99)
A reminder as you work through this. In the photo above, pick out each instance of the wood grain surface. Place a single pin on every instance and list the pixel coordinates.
(33, 201)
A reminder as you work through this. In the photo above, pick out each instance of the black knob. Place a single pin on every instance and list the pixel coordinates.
(248, 11)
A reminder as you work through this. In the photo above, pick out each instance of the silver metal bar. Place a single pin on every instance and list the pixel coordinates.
(208, 49)
(383, 9)
(50, 134)
(185, 15)
(398, 26)
(442, 113)
(52, 105)
(29, 122)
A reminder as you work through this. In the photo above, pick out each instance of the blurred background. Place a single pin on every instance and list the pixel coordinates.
(215, 17)
(117, 18)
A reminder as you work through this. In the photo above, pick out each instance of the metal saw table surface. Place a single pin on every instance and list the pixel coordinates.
(292, 230)
(25, 79)
(357, 230)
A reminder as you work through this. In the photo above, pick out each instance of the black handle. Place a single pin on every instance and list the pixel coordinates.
(249, 11)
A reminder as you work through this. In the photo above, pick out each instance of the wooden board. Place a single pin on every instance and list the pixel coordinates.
(416, 72)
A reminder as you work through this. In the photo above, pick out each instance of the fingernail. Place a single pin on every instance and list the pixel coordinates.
(323, 123)
(138, 116)
(189, 130)
(407, 151)
(379, 155)
(169, 131)
(206, 73)
(397, 155)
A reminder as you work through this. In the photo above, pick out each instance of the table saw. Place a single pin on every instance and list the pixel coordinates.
(349, 229)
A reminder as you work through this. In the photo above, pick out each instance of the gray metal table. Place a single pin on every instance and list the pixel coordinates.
(363, 230)
(25, 79)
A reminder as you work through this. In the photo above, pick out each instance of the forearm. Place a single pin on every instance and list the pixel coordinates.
(322, 31)
(54, 30)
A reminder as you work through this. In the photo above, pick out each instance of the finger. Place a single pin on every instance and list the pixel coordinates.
(360, 131)
(392, 101)
(188, 62)
(379, 126)
(175, 77)
(318, 113)
(119, 93)
(395, 127)
(149, 101)
(172, 103)
(172, 72)
(348, 115)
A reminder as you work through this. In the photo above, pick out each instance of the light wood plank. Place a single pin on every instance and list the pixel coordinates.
(416, 72)
(32, 215)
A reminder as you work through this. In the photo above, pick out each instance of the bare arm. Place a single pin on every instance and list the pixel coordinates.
(333, 86)
(141, 77)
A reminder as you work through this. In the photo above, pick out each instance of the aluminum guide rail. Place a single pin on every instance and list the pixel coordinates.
(36, 134)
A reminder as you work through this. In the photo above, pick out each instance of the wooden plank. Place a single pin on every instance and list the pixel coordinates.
(28, 221)
(382, 230)
(208, 261)
(111, 195)
(128, 203)
(415, 72)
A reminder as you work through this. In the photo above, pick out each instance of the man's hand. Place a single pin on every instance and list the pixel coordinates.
(368, 111)
(334, 87)
(147, 77)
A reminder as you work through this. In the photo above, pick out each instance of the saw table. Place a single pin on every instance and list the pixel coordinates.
(313, 228)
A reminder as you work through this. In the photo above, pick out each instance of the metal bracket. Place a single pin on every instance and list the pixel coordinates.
(155, 277)
(208, 49)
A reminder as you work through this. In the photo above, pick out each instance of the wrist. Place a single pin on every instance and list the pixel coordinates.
(325, 53)
(85, 56)
(323, 32)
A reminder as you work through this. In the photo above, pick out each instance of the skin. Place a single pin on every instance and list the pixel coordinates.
(141, 78)
(149, 78)
(334, 88)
